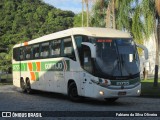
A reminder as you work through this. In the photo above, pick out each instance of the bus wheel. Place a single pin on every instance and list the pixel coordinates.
(28, 86)
(22, 85)
(72, 92)
(111, 100)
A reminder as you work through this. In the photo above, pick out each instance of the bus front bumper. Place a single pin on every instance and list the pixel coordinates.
(102, 92)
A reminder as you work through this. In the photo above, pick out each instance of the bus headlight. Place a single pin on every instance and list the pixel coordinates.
(138, 91)
(101, 92)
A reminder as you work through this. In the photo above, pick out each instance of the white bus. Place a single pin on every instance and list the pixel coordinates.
(90, 62)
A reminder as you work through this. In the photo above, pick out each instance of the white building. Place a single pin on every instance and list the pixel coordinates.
(151, 46)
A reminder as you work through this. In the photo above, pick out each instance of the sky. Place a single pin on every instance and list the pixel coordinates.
(73, 5)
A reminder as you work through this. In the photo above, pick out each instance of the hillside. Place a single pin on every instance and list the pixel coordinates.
(23, 20)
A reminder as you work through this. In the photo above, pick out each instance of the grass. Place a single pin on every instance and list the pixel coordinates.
(6, 79)
(149, 90)
(8, 83)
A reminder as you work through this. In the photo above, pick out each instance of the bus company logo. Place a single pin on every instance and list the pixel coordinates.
(55, 65)
(6, 114)
(16, 67)
(122, 83)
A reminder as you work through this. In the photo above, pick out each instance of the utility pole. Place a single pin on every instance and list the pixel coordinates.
(86, 1)
(82, 13)
(113, 15)
(110, 17)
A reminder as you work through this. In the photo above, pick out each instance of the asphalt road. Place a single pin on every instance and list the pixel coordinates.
(12, 99)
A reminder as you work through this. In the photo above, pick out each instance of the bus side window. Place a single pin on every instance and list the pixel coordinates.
(79, 39)
(28, 52)
(68, 48)
(35, 51)
(44, 50)
(55, 48)
(21, 54)
(16, 54)
(86, 59)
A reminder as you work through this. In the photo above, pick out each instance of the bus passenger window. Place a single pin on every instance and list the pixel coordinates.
(68, 48)
(21, 54)
(28, 53)
(44, 50)
(16, 54)
(35, 51)
(55, 48)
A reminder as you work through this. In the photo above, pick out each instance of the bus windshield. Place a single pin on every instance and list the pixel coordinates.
(116, 57)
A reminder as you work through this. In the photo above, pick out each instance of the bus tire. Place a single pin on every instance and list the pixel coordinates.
(72, 92)
(28, 86)
(110, 100)
(22, 85)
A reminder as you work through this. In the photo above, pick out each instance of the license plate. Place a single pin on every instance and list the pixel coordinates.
(121, 93)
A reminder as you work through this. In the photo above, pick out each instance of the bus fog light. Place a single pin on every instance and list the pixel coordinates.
(101, 92)
(138, 91)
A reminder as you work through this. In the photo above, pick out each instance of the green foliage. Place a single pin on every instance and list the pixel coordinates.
(148, 89)
(124, 11)
(148, 11)
(78, 19)
(24, 20)
(137, 25)
(5, 64)
(98, 14)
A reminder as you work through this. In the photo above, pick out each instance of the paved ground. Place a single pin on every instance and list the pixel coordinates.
(12, 99)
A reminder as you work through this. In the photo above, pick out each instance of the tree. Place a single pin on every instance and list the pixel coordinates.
(149, 12)
(157, 10)
(142, 24)
(87, 11)
(98, 13)
(24, 20)
(78, 20)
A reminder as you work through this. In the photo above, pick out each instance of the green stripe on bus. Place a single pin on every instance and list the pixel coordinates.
(34, 66)
(24, 67)
(37, 76)
(45, 66)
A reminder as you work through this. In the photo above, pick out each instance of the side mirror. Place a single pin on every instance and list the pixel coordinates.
(92, 48)
(145, 50)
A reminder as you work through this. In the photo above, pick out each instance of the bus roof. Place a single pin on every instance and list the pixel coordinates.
(89, 31)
